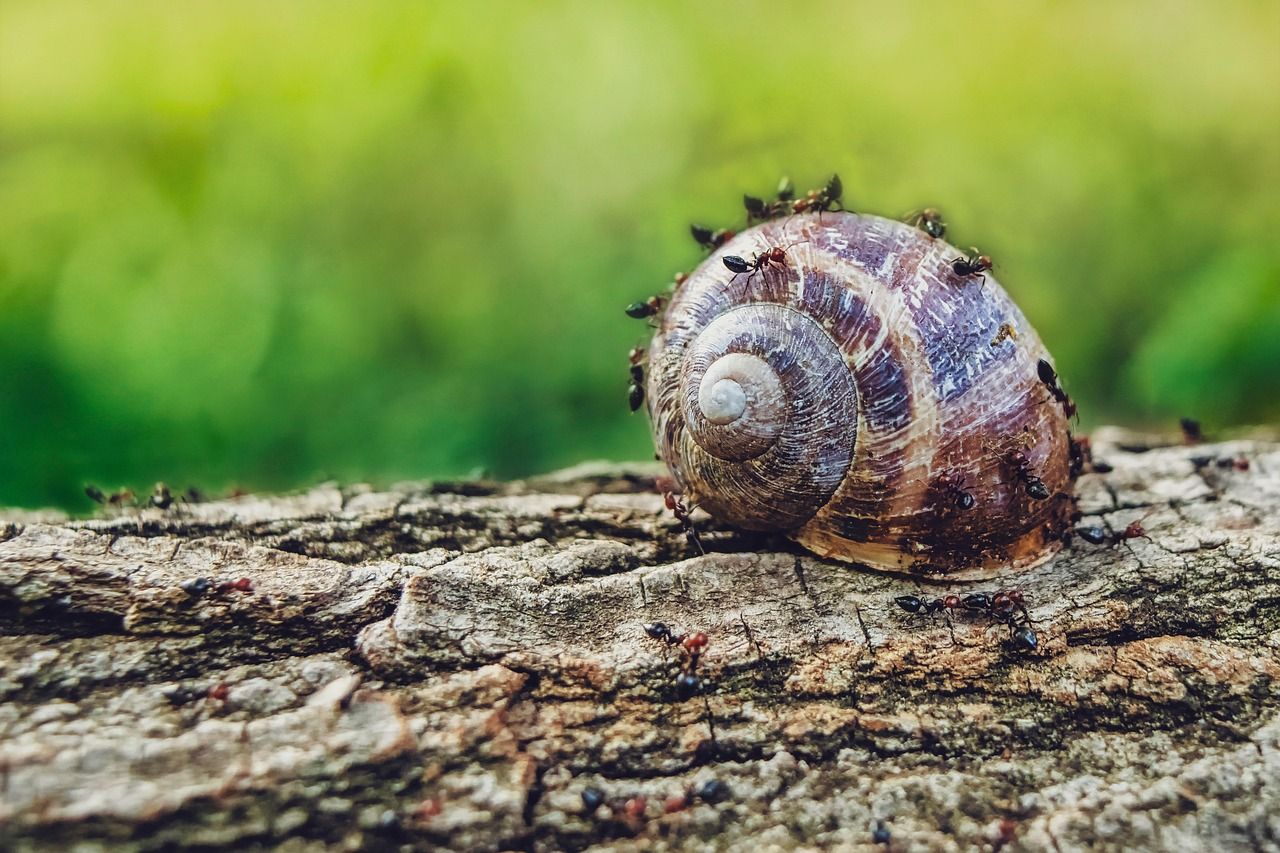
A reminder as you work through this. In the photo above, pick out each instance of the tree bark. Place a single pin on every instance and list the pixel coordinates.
(457, 664)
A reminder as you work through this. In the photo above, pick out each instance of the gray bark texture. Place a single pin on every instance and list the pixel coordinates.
(454, 665)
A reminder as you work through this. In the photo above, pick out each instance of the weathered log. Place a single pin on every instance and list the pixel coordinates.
(456, 665)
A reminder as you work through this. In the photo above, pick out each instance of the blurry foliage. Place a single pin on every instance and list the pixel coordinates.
(261, 243)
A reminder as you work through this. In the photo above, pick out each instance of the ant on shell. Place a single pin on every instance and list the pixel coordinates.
(776, 256)
(709, 239)
(647, 308)
(1035, 487)
(635, 393)
(951, 494)
(971, 265)
(1006, 332)
(827, 198)
(1049, 377)
(929, 221)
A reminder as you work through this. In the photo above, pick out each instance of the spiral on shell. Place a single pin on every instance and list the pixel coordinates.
(862, 397)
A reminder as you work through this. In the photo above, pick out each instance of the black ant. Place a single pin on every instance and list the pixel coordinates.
(1191, 431)
(708, 239)
(914, 604)
(1036, 489)
(635, 393)
(760, 210)
(161, 497)
(1093, 534)
(1079, 454)
(930, 222)
(647, 308)
(827, 198)
(970, 265)
(950, 489)
(681, 512)
(1049, 377)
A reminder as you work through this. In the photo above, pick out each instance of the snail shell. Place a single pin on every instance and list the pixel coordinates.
(848, 395)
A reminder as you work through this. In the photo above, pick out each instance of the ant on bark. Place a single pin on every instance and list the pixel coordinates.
(1098, 535)
(1006, 605)
(692, 645)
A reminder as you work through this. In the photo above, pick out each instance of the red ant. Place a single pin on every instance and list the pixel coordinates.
(1134, 530)
(1096, 535)
(1050, 379)
(970, 265)
(827, 198)
(681, 512)
(1007, 605)
(914, 604)
(777, 256)
(1010, 606)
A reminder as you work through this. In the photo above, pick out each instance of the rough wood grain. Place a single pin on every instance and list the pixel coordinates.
(454, 665)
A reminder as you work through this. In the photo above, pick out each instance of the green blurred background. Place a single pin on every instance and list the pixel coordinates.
(257, 244)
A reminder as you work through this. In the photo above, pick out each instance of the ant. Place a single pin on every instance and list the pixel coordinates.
(929, 221)
(970, 265)
(1134, 530)
(681, 512)
(635, 393)
(1079, 454)
(708, 239)
(692, 645)
(950, 488)
(1006, 332)
(1049, 377)
(161, 497)
(1009, 606)
(1097, 535)
(1191, 431)
(760, 210)
(647, 308)
(914, 604)
(827, 198)
(776, 256)
(1036, 489)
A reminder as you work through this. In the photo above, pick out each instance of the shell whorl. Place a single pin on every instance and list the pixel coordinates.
(826, 395)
